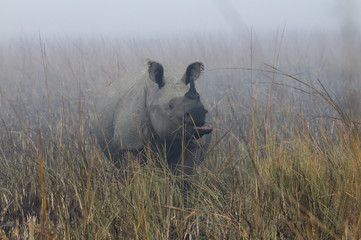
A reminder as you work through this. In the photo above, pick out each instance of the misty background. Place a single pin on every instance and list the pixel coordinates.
(154, 18)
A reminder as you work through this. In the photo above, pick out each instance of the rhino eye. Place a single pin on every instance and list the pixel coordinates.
(171, 104)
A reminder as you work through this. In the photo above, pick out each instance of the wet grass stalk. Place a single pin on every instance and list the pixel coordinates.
(44, 215)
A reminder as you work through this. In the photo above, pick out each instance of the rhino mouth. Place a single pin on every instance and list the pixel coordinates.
(196, 127)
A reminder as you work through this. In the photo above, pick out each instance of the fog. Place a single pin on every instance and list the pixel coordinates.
(159, 18)
(97, 42)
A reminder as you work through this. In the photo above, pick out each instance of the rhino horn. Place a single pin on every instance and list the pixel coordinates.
(192, 73)
(192, 92)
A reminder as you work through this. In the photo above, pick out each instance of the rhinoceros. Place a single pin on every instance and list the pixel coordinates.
(152, 108)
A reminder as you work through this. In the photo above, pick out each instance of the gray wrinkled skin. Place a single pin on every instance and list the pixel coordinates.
(151, 108)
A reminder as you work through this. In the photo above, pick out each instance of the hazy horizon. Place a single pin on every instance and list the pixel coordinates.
(155, 18)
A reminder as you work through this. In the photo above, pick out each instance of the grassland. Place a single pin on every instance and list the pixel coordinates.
(284, 162)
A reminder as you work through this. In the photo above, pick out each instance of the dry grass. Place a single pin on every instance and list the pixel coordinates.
(284, 161)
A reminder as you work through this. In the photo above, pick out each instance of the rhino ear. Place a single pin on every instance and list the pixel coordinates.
(156, 73)
(193, 70)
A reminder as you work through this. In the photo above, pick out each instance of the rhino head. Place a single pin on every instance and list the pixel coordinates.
(174, 106)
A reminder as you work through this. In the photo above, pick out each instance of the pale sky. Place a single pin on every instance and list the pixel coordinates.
(136, 18)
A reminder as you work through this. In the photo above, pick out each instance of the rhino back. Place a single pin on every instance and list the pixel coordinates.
(121, 114)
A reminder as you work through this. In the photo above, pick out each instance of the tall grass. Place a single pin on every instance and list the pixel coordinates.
(284, 162)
